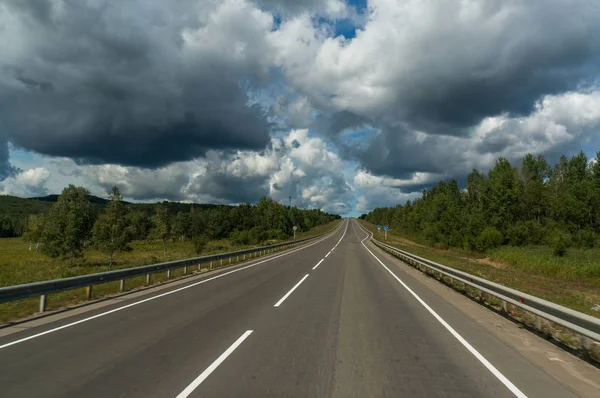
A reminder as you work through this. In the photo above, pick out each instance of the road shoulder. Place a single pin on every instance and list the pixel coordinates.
(571, 371)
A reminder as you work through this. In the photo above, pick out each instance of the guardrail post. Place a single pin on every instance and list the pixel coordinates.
(147, 279)
(585, 346)
(168, 274)
(538, 323)
(184, 270)
(221, 262)
(122, 285)
(230, 260)
(88, 292)
(210, 265)
(237, 259)
(244, 256)
(42, 303)
(504, 309)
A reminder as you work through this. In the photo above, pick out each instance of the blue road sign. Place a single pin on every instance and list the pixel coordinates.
(379, 227)
(385, 227)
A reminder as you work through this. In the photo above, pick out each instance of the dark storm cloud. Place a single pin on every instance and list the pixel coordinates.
(292, 7)
(464, 78)
(399, 153)
(230, 188)
(336, 122)
(6, 169)
(117, 84)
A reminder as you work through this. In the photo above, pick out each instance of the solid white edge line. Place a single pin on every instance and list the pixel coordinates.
(162, 295)
(198, 380)
(290, 292)
(465, 343)
(315, 267)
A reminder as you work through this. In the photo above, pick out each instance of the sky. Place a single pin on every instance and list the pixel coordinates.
(342, 105)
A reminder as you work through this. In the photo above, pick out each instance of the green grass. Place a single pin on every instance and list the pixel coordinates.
(578, 264)
(18, 265)
(572, 281)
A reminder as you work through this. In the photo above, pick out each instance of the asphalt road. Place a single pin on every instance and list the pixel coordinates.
(357, 325)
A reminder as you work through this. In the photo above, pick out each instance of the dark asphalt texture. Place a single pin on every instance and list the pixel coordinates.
(349, 330)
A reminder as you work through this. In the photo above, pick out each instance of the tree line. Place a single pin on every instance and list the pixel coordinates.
(534, 203)
(73, 223)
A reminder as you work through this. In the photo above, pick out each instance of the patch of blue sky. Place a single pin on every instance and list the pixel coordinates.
(359, 5)
(358, 138)
(23, 159)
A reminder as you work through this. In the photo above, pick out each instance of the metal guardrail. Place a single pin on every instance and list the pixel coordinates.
(588, 327)
(43, 288)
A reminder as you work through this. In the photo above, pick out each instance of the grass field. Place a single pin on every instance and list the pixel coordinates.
(19, 265)
(572, 281)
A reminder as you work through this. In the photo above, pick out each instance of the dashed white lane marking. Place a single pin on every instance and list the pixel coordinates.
(315, 267)
(198, 380)
(290, 292)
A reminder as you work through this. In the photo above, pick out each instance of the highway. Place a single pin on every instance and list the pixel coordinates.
(336, 318)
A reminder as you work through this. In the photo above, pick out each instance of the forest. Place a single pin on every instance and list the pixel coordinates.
(532, 203)
(63, 226)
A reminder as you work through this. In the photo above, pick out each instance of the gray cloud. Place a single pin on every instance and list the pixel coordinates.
(443, 66)
(6, 169)
(134, 83)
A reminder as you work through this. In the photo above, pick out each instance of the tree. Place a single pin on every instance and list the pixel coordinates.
(140, 224)
(199, 243)
(68, 224)
(35, 227)
(162, 225)
(182, 225)
(112, 232)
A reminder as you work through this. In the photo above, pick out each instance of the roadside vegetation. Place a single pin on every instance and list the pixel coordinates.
(79, 234)
(533, 204)
(533, 227)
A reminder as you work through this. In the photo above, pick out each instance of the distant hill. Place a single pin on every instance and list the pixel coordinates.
(21, 207)
(173, 207)
(53, 198)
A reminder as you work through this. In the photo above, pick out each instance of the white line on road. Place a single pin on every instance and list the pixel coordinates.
(163, 294)
(327, 254)
(315, 267)
(518, 393)
(290, 292)
(194, 384)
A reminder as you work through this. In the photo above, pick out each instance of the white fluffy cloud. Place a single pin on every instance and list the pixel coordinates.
(28, 183)
(376, 191)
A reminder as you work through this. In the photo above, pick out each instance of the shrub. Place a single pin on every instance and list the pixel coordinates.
(490, 238)
(199, 243)
(560, 241)
(239, 238)
(526, 233)
(559, 249)
(585, 238)
(256, 235)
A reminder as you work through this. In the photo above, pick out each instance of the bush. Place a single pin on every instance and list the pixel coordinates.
(276, 234)
(455, 239)
(490, 238)
(199, 243)
(256, 235)
(239, 238)
(526, 233)
(585, 238)
(560, 241)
